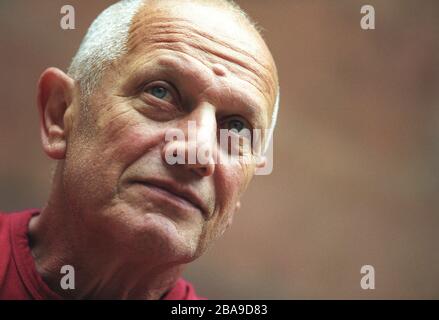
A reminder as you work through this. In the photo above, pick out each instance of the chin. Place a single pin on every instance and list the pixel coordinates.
(170, 241)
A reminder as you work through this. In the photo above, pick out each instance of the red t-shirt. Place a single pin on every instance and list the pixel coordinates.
(19, 279)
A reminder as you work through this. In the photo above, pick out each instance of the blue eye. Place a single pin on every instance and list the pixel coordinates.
(235, 125)
(159, 92)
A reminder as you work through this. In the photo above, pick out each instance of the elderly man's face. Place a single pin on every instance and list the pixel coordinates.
(185, 63)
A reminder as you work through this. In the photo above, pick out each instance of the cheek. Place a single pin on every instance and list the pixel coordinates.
(126, 145)
(234, 182)
(231, 182)
(234, 179)
(99, 156)
(126, 137)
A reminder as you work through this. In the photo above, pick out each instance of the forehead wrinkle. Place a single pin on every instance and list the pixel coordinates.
(182, 24)
(181, 48)
(178, 33)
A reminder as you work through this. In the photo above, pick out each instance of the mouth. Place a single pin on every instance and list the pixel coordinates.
(178, 195)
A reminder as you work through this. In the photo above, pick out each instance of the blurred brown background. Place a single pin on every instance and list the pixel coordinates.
(355, 178)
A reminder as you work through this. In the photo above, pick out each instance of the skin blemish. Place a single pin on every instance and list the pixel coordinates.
(219, 70)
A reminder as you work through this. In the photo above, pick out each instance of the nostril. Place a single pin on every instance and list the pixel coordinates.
(205, 170)
(202, 171)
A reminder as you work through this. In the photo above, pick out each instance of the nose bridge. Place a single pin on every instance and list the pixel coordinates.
(197, 152)
(202, 126)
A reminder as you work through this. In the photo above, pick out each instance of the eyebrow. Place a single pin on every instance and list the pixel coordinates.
(254, 112)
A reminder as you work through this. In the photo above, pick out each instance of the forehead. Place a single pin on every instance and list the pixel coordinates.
(211, 35)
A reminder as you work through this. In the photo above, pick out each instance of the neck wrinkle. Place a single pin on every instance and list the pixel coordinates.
(56, 239)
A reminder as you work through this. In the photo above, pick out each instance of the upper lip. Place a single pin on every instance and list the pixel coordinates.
(178, 190)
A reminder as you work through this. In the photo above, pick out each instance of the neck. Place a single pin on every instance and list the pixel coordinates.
(101, 270)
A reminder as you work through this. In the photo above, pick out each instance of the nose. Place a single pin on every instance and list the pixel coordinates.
(197, 141)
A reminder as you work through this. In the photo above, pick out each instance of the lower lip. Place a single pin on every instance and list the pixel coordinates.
(166, 196)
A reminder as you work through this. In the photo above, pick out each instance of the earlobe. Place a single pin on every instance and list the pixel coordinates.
(238, 206)
(230, 217)
(261, 162)
(55, 92)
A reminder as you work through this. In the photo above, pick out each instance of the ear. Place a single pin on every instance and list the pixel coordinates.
(238, 206)
(261, 162)
(230, 218)
(55, 92)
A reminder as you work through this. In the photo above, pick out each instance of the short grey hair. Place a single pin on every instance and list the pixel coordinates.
(107, 39)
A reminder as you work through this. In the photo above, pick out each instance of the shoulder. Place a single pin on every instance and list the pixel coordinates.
(4, 222)
(183, 290)
(7, 217)
(191, 293)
